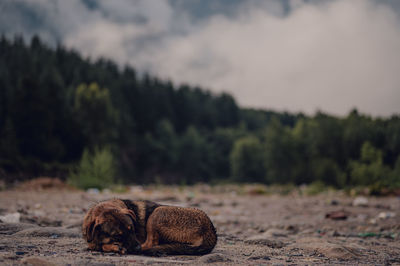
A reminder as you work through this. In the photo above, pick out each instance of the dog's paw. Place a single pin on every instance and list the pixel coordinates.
(123, 251)
(116, 248)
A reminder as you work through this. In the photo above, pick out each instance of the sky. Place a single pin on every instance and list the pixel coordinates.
(286, 55)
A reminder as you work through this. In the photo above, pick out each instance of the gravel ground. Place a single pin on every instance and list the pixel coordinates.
(253, 229)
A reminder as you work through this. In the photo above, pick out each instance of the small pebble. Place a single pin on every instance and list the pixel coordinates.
(20, 252)
(334, 202)
(360, 202)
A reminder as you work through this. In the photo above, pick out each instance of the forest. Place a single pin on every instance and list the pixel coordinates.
(73, 117)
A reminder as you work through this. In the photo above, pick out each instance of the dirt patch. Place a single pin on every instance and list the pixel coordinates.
(329, 249)
(43, 183)
(252, 228)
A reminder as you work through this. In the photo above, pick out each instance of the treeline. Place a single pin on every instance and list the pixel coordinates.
(356, 150)
(54, 105)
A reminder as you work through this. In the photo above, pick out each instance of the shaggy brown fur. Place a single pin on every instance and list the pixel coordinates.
(126, 226)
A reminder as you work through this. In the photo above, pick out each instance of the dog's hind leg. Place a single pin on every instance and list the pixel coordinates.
(151, 240)
(153, 247)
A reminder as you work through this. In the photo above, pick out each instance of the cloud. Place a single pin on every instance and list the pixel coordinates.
(293, 55)
(332, 57)
(126, 30)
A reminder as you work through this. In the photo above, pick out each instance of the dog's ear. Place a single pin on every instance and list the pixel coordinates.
(90, 231)
(87, 232)
(128, 219)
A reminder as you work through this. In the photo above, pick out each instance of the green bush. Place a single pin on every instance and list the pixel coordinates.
(395, 175)
(326, 171)
(247, 160)
(95, 170)
(316, 188)
(370, 170)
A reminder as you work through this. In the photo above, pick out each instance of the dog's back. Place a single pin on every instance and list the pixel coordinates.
(178, 230)
(183, 230)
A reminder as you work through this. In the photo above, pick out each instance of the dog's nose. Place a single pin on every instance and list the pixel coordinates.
(138, 248)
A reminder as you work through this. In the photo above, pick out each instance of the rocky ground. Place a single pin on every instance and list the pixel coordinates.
(255, 227)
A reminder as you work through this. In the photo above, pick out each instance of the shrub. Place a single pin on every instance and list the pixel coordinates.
(247, 160)
(327, 171)
(95, 170)
(316, 188)
(370, 170)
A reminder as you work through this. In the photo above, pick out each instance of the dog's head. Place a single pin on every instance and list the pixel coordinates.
(107, 228)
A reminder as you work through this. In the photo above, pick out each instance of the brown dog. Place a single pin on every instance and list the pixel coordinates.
(146, 227)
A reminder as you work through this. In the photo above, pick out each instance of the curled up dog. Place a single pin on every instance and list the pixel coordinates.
(145, 227)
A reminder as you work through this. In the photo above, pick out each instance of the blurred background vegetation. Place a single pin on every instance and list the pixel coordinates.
(95, 123)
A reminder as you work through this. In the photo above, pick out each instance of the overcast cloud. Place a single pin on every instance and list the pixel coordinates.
(285, 55)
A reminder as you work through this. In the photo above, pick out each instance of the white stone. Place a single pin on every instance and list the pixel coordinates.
(386, 215)
(11, 218)
(360, 201)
